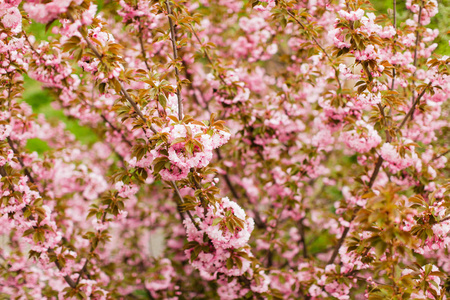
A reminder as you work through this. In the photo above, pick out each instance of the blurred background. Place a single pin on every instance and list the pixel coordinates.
(40, 99)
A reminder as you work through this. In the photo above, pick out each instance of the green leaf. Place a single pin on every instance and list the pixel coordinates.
(162, 100)
(216, 221)
(229, 263)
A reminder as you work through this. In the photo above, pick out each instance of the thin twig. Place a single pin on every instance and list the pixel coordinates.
(173, 33)
(347, 229)
(177, 191)
(67, 278)
(301, 230)
(141, 43)
(318, 45)
(205, 52)
(415, 53)
(411, 110)
(25, 169)
(439, 156)
(122, 88)
(395, 27)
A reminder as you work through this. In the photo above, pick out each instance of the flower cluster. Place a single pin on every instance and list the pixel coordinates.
(228, 231)
(188, 146)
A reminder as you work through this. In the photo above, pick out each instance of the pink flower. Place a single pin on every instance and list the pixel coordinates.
(12, 18)
(352, 15)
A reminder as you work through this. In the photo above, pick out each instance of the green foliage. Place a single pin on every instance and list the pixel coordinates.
(441, 21)
(40, 100)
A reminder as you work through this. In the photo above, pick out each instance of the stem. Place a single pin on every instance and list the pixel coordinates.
(69, 280)
(417, 34)
(395, 27)
(347, 229)
(177, 191)
(114, 128)
(318, 45)
(302, 237)
(175, 56)
(388, 136)
(415, 51)
(27, 173)
(205, 52)
(439, 156)
(258, 221)
(395, 13)
(141, 43)
(338, 246)
(411, 110)
(376, 171)
(122, 88)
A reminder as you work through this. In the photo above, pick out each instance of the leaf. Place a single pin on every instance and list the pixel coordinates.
(162, 100)
(229, 263)
(28, 232)
(216, 221)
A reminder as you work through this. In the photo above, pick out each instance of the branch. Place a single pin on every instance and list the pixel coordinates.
(372, 180)
(27, 173)
(439, 156)
(122, 88)
(301, 230)
(417, 34)
(395, 13)
(338, 246)
(395, 27)
(175, 56)
(318, 45)
(415, 49)
(177, 191)
(205, 52)
(67, 278)
(411, 110)
(114, 128)
(141, 43)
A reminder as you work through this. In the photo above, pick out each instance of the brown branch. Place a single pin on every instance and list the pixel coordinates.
(122, 88)
(258, 221)
(411, 110)
(347, 229)
(175, 56)
(205, 52)
(395, 27)
(318, 45)
(395, 13)
(27, 173)
(29, 43)
(417, 34)
(372, 181)
(116, 130)
(67, 278)
(415, 52)
(301, 230)
(439, 156)
(177, 191)
(444, 219)
(141, 43)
